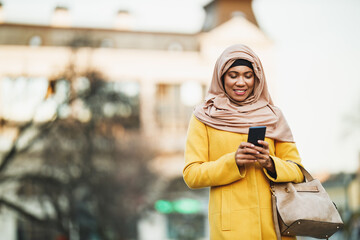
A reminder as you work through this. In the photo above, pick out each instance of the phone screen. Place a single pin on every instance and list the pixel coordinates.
(255, 134)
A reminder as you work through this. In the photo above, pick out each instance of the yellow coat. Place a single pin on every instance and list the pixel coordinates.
(240, 201)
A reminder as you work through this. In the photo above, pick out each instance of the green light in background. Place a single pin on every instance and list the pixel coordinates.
(163, 206)
(187, 206)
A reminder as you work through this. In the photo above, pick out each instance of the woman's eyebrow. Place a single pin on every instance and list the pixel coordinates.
(239, 72)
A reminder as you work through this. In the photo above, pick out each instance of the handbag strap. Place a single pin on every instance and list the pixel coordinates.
(306, 174)
(275, 217)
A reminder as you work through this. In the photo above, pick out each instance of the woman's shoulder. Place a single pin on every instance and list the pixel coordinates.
(195, 122)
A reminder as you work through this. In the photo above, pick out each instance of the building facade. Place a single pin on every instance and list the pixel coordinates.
(168, 72)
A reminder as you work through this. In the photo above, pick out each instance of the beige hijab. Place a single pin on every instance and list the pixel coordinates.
(221, 112)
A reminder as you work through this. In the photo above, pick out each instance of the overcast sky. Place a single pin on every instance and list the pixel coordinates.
(318, 63)
(155, 15)
(317, 56)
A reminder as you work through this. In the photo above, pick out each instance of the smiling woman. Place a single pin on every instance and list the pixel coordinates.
(217, 154)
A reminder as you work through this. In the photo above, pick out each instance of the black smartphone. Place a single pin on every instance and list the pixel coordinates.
(255, 134)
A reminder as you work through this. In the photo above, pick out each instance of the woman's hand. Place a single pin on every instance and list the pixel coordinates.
(249, 153)
(264, 158)
(245, 154)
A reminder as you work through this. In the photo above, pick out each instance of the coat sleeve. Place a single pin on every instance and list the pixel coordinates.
(286, 171)
(199, 172)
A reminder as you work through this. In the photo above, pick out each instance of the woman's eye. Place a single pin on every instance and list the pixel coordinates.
(233, 76)
(249, 76)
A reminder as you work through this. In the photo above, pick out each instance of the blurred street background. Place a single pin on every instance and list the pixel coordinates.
(95, 99)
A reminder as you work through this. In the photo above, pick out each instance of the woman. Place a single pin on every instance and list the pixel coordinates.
(218, 156)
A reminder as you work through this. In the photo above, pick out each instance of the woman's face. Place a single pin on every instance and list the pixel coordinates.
(239, 82)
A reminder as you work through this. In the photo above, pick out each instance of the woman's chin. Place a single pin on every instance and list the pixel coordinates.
(238, 98)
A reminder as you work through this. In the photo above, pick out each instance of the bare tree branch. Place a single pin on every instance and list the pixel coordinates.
(12, 152)
(26, 214)
(14, 149)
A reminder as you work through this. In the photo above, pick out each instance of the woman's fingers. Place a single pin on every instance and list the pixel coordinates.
(247, 148)
(246, 145)
(241, 157)
(245, 154)
(264, 144)
(264, 150)
(262, 155)
(249, 153)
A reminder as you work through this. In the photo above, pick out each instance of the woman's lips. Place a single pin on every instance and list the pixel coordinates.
(239, 92)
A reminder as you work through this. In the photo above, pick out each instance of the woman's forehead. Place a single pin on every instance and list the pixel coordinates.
(240, 68)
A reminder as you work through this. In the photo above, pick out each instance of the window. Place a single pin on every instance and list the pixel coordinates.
(175, 47)
(123, 102)
(172, 112)
(107, 43)
(35, 41)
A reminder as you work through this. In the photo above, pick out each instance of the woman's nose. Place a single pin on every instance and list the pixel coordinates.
(240, 82)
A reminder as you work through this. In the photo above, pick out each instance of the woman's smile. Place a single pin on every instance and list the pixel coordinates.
(239, 92)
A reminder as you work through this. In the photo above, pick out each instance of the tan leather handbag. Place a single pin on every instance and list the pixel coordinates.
(304, 209)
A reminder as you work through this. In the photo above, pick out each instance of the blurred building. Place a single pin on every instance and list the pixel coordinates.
(169, 72)
(344, 190)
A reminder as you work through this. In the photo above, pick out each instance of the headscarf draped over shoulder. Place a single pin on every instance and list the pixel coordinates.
(221, 112)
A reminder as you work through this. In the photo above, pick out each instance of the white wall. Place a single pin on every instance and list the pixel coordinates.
(7, 225)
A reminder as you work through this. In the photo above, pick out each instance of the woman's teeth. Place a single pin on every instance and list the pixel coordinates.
(240, 92)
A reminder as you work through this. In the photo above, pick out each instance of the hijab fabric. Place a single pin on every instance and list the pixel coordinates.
(221, 112)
